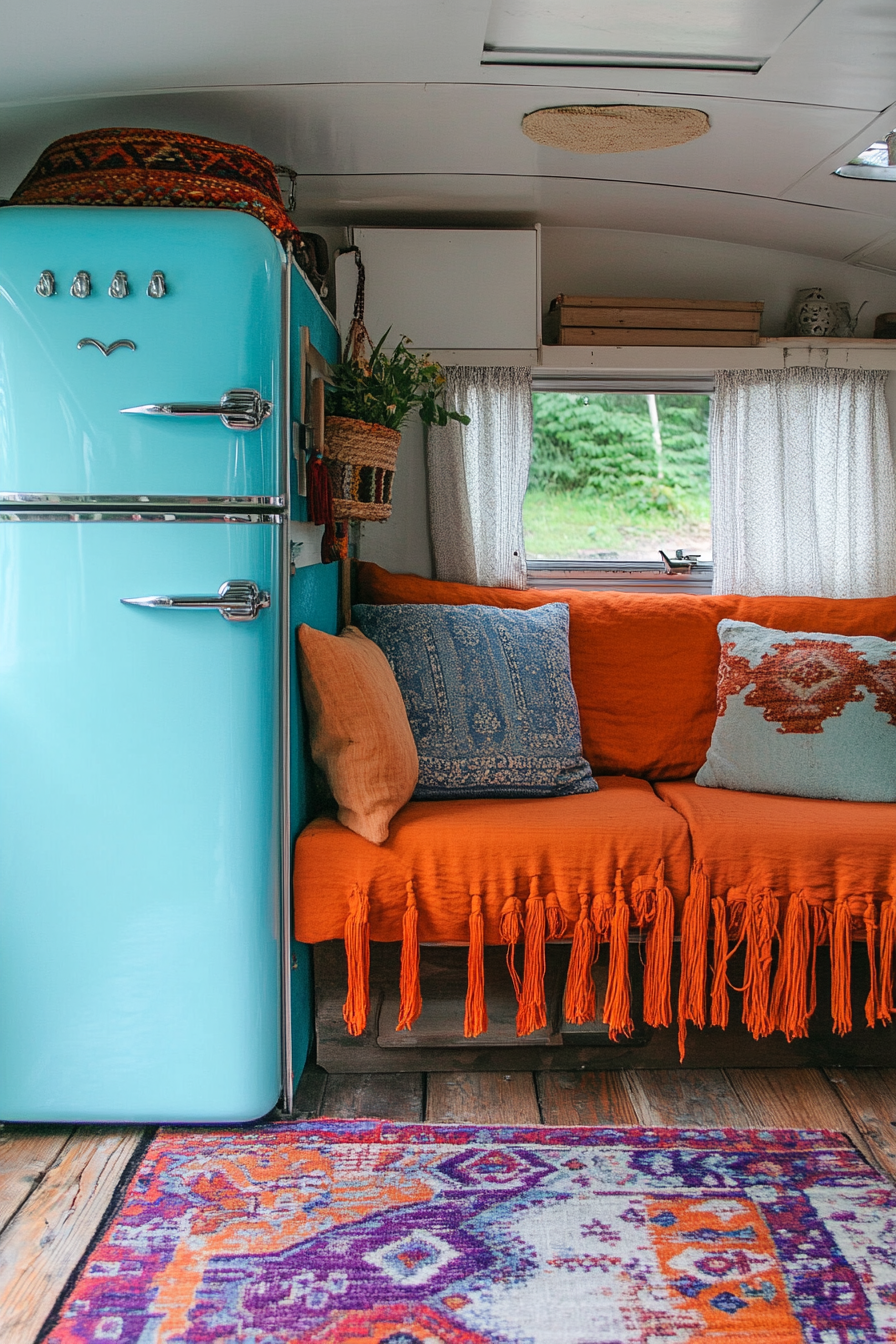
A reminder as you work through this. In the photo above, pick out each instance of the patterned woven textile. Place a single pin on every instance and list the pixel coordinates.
(489, 698)
(129, 166)
(361, 1232)
(811, 715)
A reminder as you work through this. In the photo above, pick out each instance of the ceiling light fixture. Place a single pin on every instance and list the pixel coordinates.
(635, 60)
(614, 129)
(877, 162)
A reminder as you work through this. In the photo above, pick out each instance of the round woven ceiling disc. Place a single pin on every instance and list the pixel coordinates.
(614, 130)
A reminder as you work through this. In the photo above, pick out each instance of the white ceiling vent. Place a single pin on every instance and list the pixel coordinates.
(700, 35)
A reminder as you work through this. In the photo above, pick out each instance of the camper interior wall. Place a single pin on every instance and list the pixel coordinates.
(613, 261)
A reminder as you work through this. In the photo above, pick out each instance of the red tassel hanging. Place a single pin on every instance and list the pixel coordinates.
(320, 493)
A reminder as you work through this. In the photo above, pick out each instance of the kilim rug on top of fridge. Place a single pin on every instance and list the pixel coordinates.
(362, 1232)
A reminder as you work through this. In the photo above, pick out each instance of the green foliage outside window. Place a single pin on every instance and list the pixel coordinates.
(598, 480)
(603, 445)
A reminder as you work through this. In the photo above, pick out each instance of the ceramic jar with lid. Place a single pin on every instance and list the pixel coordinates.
(813, 314)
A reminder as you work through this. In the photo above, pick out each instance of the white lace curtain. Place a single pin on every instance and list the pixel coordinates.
(478, 475)
(803, 484)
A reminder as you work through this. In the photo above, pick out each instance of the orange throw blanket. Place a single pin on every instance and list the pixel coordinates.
(800, 871)
(496, 870)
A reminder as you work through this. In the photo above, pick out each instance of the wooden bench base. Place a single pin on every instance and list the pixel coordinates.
(437, 1044)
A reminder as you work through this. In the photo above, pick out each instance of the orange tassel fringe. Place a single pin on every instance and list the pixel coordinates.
(411, 999)
(601, 915)
(841, 978)
(475, 1014)
(872, 1011)
(718, 999)
(617, 1004)
(658, 962)
(694, 936)
(510, 927)
(532, 1014)
(790, 995)
(785, 1002)
(357, 952)
(760, 929)
(556, 920)
(885, 1006)
(580, 1001)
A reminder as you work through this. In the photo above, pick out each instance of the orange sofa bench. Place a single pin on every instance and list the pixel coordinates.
(709, 868)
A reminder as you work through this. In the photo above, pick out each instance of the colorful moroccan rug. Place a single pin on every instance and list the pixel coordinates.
(363, 1232)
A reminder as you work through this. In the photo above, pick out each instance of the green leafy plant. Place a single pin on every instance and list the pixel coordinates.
(383, 389)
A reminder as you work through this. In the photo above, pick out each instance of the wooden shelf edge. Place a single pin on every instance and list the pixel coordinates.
(772, 352)
(832, 342)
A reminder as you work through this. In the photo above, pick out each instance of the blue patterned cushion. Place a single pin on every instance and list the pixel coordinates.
(489, 698)
(804, 714)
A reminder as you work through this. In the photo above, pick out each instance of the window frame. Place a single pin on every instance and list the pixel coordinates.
(647, 576)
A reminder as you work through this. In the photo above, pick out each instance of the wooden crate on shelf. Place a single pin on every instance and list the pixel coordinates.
(605, 320)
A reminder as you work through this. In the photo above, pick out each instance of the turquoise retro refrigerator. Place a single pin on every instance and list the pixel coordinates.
(144, 666)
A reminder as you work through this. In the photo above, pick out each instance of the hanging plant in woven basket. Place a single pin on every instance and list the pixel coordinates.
(360, 459)
(371, 396)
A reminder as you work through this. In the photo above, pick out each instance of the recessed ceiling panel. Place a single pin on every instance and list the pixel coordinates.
(744, 30)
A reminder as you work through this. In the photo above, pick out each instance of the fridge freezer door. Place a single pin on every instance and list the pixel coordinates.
(139, 825)
(70, 365)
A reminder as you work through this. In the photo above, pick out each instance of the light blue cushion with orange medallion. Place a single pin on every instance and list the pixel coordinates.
(489, 698)
(811, 715)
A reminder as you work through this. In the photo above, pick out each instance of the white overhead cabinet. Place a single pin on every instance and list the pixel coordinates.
(450, 290)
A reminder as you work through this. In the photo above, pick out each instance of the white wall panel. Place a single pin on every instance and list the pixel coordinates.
(445, 287)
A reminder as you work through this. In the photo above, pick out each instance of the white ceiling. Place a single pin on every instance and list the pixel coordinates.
(385, 108)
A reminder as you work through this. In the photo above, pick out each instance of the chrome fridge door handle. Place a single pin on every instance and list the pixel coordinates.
(240, 408)
(238, 600)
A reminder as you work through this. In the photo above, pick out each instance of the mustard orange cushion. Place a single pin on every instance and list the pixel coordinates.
(644, 665)
(359, 730)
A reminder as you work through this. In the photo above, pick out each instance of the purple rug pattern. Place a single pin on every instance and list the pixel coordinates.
(363, 1232)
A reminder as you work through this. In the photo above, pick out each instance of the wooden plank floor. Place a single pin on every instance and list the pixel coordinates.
(56, 1183)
